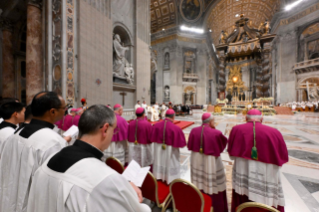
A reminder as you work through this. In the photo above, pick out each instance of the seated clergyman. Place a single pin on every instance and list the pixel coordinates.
(75, 179)
(259, 152)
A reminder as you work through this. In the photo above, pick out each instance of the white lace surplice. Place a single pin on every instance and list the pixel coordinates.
(259, 181)
(141, 153)
(118, 150)
(207, 173)
(166, 164)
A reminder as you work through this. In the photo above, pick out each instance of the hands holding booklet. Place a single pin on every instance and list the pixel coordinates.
(135, 173)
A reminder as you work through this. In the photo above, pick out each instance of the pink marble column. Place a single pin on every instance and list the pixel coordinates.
(8, 74)
(34, 55)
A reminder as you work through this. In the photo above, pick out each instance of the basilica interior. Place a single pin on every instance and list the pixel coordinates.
(217, 56)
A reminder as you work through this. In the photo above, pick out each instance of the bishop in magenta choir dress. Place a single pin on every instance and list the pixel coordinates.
(118, 147)
(168, 139)
(139, 140)
(207, 169)
(259, 152)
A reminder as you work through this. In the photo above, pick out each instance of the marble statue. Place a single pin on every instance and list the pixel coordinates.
(188, 97)
(153, 61)
(264, 28)
(119, 60)
(223, 37)
(166, 62)
(129, 73)
(166, 92)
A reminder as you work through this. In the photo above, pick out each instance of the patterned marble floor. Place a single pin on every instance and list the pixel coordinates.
(300, 176)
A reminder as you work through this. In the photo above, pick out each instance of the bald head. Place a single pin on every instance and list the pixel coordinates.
(118, 110)
(254, 118)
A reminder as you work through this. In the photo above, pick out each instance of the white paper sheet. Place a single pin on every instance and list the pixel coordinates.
(72, 131)
(135, 173)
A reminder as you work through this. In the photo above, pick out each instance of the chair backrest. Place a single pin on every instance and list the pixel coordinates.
(149, 188)
(255, 207)
(186, 197)
(115, 164)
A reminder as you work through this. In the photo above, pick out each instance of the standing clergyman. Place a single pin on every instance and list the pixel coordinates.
(259, 152)
(207, 169)
(168, 139)
(118, 147)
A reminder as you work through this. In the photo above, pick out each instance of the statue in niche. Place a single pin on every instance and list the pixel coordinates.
(188, 98)
(129, 73)
(119, 60)
(154, 61)
(166, 93)
(166, 61)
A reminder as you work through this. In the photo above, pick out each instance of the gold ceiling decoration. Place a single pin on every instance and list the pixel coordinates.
(223, 15)
(163, 14)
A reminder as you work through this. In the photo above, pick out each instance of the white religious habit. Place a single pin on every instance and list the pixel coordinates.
(156, 107)
(6, 130)
(145, 107)
(1, 120)
(137, 106)
(208, 173)
(163, 111)
(155, 116)
(259, 181)
(76, 180)
(22, 154)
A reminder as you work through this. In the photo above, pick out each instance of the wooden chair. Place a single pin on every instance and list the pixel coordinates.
(115, 164)
(156, 191)
(187, 198)
(255, 207)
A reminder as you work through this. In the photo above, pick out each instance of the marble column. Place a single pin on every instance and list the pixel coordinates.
(34, 54)
(8, 74)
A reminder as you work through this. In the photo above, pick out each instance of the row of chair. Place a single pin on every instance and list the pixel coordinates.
(182, 195)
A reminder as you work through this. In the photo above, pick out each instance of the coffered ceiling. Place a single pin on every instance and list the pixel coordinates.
(223, 14)
(163, 14)
(220, 14)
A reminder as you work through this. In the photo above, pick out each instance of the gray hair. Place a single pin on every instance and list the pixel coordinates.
(208, 120)
(94, 118)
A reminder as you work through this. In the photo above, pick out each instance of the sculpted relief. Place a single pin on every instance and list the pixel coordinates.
(122, 69)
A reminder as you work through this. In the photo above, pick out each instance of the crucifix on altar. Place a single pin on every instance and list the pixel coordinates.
(123, 94)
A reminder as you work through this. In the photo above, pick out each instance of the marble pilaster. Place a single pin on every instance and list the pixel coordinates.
(34, 56)
(8, 74)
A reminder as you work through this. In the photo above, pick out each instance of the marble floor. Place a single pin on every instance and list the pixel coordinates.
(300, 176)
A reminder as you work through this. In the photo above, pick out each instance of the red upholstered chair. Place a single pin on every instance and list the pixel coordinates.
(187, 198)
(115, 164)
(156, 191)
(255, 207)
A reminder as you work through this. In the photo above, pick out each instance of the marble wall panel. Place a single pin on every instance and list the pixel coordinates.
(95, 54)
(8, 74)
(142, 49)
(34, 55)
(129, 99)
(143, 72)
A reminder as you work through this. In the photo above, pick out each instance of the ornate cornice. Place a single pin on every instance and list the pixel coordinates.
(6, 24)
(36, 3)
